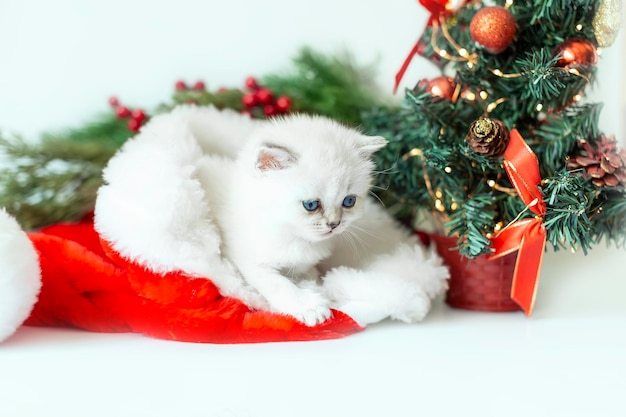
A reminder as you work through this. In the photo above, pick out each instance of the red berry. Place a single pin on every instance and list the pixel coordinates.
(199, 85)
(249, 100)
(122, 112)
(264, 96)
(252, 83)
(139, 115)
(180, 85)
(134, 125)
(283, 104)
(269, 110)
(113, 101)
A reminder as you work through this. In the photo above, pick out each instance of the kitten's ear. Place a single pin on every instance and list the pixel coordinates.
(370, 144)
(274, 157)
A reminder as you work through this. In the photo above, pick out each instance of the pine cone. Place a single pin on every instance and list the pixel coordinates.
(488, 137)
(604, 162)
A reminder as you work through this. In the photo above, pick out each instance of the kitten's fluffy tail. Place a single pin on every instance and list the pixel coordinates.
(399, 285)
(20, 277)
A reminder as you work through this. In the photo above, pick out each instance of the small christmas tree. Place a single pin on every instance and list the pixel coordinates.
(510, 72)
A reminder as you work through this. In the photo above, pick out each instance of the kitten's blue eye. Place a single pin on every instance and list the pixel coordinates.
(311, 205)
(349, 201)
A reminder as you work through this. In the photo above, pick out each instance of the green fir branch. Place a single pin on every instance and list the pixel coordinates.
(569, 199)
(335, 86)
(558, 136)
(105, 129)
(541, 76)
(609, 217)
(472, 224)
(55, 180)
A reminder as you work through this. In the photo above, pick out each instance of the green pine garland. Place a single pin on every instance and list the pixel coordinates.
(334, 86)
(51, 181)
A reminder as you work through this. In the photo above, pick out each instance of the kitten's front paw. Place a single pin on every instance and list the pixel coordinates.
(306, 305)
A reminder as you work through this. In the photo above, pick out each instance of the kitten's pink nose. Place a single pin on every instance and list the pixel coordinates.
(333, 225)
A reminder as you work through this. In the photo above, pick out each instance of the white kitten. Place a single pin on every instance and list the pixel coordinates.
(297, 184)
(261, 208)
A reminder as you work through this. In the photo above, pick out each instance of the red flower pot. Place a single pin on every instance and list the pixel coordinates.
(477, 283)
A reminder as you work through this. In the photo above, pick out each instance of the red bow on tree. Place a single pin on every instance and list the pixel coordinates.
(527, 236)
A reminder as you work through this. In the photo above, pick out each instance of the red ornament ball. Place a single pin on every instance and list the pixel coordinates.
(180, 85)
(122, 112)
(249, 100)
(199, 85)
(575, 52)
(439, 87)
(282, 104)
(252, 83)
(113, 101)
(494, 28)
(264, 96)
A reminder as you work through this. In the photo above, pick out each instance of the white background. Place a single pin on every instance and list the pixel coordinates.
(61, 60)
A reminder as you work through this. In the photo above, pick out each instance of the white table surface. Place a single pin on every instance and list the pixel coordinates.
(568, 359)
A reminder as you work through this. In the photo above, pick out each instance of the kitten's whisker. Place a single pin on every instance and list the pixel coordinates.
(365, 231)
(373, 194)
(348, 237)
(388, 171)
(378, 187)
(358, 239)
(353, 239)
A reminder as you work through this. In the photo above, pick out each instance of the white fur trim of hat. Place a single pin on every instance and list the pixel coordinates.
(20, 276)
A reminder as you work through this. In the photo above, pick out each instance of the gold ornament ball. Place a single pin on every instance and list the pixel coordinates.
(494, 28)
(607, 21)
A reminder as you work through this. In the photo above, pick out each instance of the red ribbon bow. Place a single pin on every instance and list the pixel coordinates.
(527, 236)
(437, 8)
